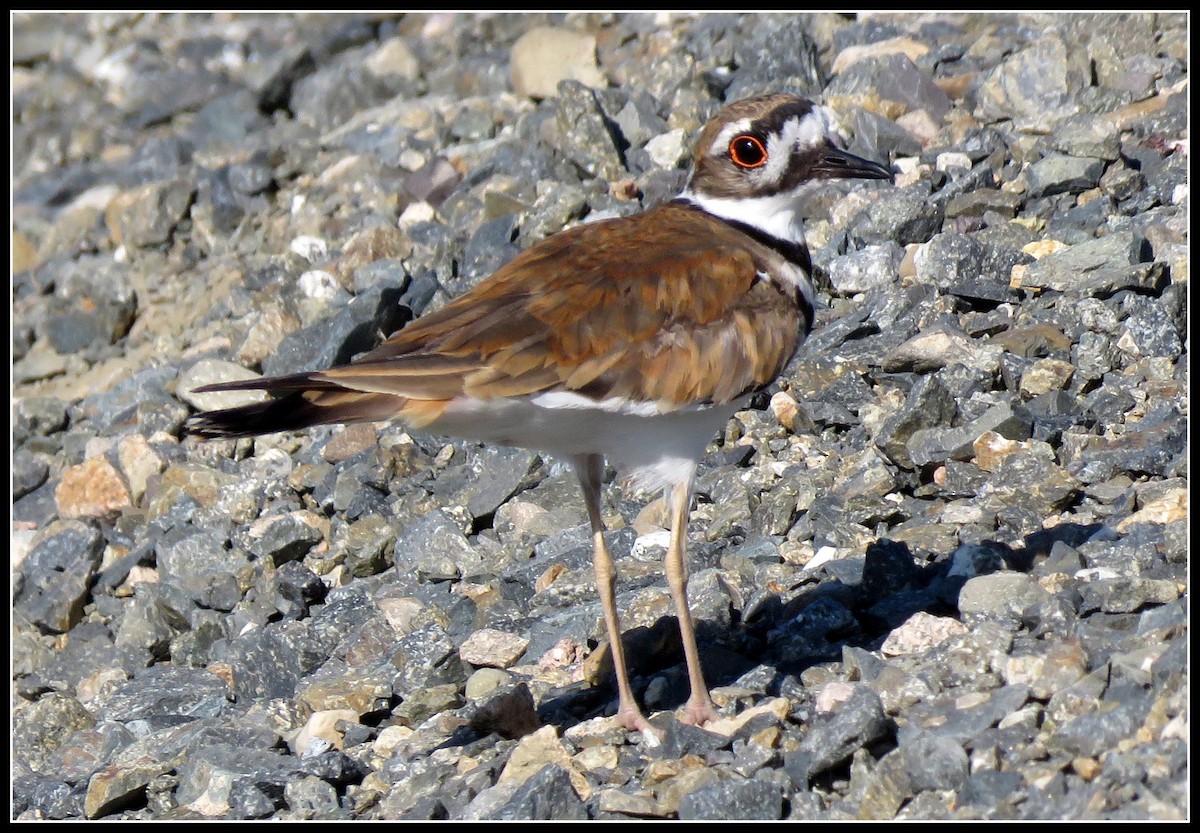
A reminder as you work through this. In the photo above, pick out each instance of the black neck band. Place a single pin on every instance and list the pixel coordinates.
(791, 251)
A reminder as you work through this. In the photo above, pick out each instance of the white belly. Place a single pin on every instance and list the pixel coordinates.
(654, 449)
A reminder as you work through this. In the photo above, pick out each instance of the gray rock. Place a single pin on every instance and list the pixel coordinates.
(1063, 175)
(248, 782)
(933, 762)
(999, 596)
(334, 767)
(123, 400)
(45, 798)
(889, 568)
(892, 78)
(153, 212)
(288, 539)
(40, 728)
(832, 738)
(154, 96)
(121, 786)
(1087, 135)
(962, 265)
(424, 658)
(298, 588)
(584, 133)
(808, 632)
(332, 95)
(1032, 87)
(1097, 267)
(495, 472)
(734, 801)
(876, 137)
(202, 567)
(165, 691)
(901, 215)
(82, 322)
(990, 788)
(56, 576)
(639, 120)
(928, 405)
(28, 472)
(982, 201)
(948, 720)
(1148, 329)
(1126, 595)
(783, 58)
(312, 798)
(1154, 447)
(547, 795)
(420, 789)
(217, 205)
(681, 739)
(228, 120)
(162, 158)
(39, 416)
(250, 800)
(490, 247)
(867, 269)
(150, 621)
(1098, 732)
(251, 176)
(88, 751)
(1120, 182)
(436, 549)
(936, 445)
(1031, 482)
(270, 661)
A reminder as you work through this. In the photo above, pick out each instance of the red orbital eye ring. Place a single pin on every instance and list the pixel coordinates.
(748, 151)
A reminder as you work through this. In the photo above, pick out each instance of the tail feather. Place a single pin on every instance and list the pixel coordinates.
(294, 412)
(278, 384)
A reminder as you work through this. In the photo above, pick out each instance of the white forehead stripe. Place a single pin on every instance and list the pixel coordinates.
(721, 144)
(825, 123)
(814, 130)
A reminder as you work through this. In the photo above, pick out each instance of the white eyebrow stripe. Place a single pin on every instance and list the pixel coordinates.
(721, 144)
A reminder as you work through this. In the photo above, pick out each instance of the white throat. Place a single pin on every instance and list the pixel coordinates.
(775, 215)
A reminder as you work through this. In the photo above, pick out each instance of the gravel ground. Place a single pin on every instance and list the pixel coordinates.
(939, 569)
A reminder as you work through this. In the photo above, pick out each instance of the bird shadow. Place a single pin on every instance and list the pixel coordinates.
(849, 603)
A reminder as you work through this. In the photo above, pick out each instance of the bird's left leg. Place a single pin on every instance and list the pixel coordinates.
(699, 707)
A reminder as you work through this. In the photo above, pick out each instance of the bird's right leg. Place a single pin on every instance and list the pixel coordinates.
(590, 468)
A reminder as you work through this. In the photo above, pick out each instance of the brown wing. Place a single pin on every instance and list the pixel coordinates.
(676, 319)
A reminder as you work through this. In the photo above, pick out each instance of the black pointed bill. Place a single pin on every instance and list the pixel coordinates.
(835, 163)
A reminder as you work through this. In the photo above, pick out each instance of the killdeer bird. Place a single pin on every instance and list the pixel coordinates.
(630, 340)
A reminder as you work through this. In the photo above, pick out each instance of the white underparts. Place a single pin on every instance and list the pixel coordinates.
(655, 449)
(613, 405)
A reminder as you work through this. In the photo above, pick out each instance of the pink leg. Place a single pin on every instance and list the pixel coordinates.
(590, 469)
(699, 709)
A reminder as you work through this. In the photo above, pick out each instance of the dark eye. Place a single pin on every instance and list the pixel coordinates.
(748, 152)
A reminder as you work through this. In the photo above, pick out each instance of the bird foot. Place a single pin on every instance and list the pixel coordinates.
(634, 721)
(698, 712)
